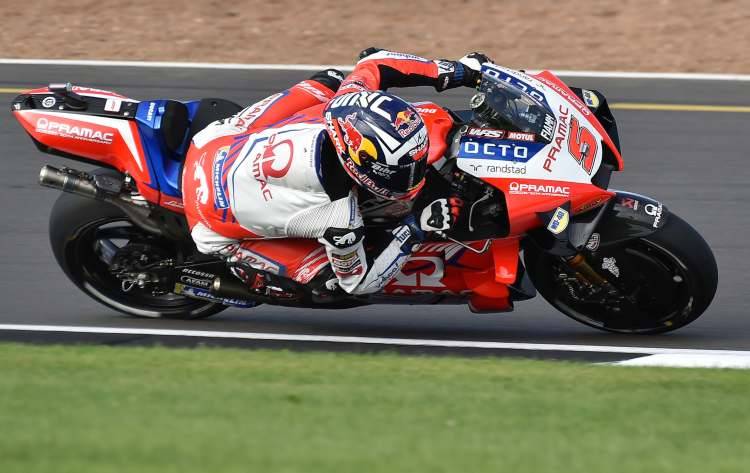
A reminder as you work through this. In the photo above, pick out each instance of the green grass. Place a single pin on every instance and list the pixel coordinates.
(98, 409)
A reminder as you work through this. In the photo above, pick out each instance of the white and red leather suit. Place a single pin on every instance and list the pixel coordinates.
(270, 172)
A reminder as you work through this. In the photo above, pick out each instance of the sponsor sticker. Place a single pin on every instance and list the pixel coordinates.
(610, 264)
(500, 150)
(654, 211)
(559, 221)
(112, 105)
(78, 132)
(522, 188)
(590, 98)
(594, 241)
(49, 102)
(220, 198)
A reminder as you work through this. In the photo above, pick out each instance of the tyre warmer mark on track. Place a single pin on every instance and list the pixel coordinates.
(616, 355)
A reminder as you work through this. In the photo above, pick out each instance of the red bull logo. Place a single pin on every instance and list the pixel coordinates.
(406, 122)
(352, 136)
(357, 144)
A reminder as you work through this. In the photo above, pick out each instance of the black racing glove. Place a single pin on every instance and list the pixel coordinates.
(330, 78)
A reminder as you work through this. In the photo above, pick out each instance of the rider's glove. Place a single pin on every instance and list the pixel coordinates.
(330, 78)
(472, 65)
(409, 233)
(436, 216)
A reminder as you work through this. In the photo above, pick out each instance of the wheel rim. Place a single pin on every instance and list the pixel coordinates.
(657, 284)
(95, 246)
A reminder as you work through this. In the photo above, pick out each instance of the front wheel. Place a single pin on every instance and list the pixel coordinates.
(660, 282)
(88, 237)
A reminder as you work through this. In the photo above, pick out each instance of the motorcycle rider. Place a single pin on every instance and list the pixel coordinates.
(294, 165)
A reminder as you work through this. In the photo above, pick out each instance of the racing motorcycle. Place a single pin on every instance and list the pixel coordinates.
(531, 158)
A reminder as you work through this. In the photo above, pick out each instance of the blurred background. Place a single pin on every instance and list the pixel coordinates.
(642, 35)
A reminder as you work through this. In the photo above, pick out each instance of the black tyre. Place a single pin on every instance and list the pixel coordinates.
(669, 279)
(86, 233)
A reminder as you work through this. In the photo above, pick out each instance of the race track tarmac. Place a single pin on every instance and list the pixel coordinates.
(695, 162)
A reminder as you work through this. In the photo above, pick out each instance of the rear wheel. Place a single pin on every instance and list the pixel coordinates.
(89, 238)
(660, 282)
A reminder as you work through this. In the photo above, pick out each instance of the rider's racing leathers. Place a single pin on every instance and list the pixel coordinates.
(270, 171)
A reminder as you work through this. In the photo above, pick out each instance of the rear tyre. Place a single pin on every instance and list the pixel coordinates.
(86, 235)
(669, 278)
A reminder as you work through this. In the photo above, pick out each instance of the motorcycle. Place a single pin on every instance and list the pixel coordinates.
(531, 158)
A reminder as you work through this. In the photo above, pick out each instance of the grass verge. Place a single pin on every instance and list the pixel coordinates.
(99, 409)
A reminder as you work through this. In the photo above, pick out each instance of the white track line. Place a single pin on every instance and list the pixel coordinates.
(689, 361)
(372, 340)
(316, 67)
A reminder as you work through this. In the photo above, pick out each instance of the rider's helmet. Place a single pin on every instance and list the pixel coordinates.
(381, 141)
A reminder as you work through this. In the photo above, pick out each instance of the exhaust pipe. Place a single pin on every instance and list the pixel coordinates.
(50, 176)
(100, 187)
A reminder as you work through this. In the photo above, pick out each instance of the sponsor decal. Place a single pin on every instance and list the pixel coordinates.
(559, 221)
(485, 132)
(590, 98)
(312, 90)
(256, 260)
(560, 136)
(594, 241)
(520, 136)
(421, 271)
(195, 282)
(265, 165)
(491, 170)
(195, 272)
(112, 105)
(628, 203)
(402, 234)
(372, 100)
(522, 188)
(347, 264)
(49, 102)
(204, 294)
(382, 170)
(345, 240)
(426, 111)
(406, 122)
(519, 84)
(78, 132)
(654, 211)
(220, 158)
(150, 111)
(445, 67)
(501, 150)
(548, 127)
(355, 142)
(570, 97)
(610, 264)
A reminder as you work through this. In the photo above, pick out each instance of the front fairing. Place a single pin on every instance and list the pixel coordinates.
(535, 140)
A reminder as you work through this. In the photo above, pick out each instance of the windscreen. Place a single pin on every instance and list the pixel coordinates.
(498, 104)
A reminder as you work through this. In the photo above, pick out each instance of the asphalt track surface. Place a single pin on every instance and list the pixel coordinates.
(695, 162)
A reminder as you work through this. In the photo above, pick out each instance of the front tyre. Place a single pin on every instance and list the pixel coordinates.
(86, 235)
(664, 281)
